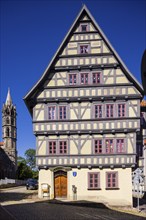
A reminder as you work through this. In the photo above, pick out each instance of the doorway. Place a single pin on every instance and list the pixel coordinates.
(60, 184)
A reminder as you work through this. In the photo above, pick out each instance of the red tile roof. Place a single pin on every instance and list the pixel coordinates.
(143, 103)
(1, 144)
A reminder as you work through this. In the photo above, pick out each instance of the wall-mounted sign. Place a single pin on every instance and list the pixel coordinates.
(74, 174)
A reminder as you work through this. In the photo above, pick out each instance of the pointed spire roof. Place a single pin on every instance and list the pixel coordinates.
(8, 99)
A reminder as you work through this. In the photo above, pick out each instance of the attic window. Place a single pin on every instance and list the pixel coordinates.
(84, 27)
(84, 49)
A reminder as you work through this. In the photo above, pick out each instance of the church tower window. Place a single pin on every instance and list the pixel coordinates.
(7, 132)
(7, 121)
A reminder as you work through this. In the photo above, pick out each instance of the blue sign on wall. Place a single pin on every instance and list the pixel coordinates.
(74, 174)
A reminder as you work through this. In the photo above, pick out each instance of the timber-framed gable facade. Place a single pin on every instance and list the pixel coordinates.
(86, 115)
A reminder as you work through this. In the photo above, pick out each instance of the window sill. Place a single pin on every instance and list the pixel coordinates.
(94, 189)
(116, 188)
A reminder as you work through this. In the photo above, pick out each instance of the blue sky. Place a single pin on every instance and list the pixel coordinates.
(31, 32)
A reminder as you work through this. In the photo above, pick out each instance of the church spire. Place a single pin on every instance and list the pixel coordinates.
(8, 99)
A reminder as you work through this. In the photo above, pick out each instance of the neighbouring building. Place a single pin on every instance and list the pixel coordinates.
(142, 151)
(86, 116)
(8, 152)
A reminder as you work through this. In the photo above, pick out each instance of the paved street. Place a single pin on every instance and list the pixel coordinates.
(20, 204)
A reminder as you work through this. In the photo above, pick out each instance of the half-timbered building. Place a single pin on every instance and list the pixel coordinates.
(141, 147)
(86, 115)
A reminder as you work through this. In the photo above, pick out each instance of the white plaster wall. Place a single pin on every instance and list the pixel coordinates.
(121, 197)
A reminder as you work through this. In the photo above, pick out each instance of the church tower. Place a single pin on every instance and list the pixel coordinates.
(10, 131)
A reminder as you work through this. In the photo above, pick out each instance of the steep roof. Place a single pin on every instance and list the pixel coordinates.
(40, 82)
(8, 99)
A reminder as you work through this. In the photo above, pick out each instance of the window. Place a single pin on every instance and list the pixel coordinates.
(142, 118)
(121, 110)
(84, 27)
(120, 148)
(7, 121)
(84, 78)
(63, 147)
(84, 49)
(52, 147)
(110, 111)
(12, 121)
(98, 111)
(62, 112)
(111, 180)
(96, 78)
(139, 150)
(72, 79)
(98, 146)
(109, 147)
(93, 181)
(51, 112)
(7, 132)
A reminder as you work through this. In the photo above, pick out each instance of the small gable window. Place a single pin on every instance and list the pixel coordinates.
(84, 27)
(84, 49)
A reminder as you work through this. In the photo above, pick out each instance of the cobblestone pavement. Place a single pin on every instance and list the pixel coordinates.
(20, 204)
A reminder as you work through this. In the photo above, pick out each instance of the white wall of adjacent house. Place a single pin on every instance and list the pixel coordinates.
(122, 196)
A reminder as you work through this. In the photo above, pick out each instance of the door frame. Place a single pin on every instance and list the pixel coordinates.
(58, 173)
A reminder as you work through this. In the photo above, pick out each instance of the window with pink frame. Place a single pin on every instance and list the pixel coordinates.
(111, 180)
(98, 111)
(121, 110)
(120, 146)
(109, 146)
(62, 112)
(63, 147)
(84, 78)
(109, 110)
(51, 112)
(93, 181)
(52, 147)
(96, 78)
(72, 79)
(97, 146)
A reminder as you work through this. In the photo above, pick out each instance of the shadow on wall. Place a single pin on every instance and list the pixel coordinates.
(7, 168)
